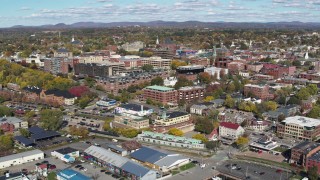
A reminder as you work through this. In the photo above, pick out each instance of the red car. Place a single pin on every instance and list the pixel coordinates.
(279, 171)
(52, 167)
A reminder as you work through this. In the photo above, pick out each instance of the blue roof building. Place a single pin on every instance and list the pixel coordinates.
(69, 174)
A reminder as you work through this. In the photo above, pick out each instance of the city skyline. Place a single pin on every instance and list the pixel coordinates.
(39, 12)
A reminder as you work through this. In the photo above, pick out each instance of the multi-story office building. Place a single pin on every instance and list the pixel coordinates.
(161, 94)
(299, 127)
(157, 62)
(130, 121)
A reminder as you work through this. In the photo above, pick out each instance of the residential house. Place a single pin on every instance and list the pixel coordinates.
(230, 132)
(61, 97)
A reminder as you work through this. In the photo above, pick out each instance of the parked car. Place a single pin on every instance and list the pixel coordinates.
(52, 167)
(279, 171)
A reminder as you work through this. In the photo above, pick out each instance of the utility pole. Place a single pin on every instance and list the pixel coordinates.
(247, 172)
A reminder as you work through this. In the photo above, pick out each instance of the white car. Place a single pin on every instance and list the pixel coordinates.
(84, 169)
(234, 167)
(82, 161)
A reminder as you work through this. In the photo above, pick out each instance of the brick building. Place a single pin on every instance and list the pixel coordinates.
(259, 91)
(299, 127)
(254, 67)
(114, 84)
(310, 76)
(58, 65)
(191, 93)
(161, 94)
(236, 66)
(306, 154)
(55, 96)
(278, 71)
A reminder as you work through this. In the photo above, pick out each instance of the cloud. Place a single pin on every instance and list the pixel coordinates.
(25, 8)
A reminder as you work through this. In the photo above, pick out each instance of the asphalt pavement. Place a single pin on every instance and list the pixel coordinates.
(241, 169)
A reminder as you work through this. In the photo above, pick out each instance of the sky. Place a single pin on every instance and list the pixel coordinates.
(41, 12)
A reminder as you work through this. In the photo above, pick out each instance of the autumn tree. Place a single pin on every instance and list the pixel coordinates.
(205, 78)
(270, 105)
(78, 91)
(175, 132)
(79, 131)
(303, 94)
(201, 137)
(203, 125)
(212, 145)
(247, 106)
(176, 63)
(208, 98)
(242, 141)
(229, 102)
(182, 82)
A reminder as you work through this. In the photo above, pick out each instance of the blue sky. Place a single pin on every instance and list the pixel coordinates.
(39, 12)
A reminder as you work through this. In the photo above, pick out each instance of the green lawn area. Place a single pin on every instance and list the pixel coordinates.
(52, 176)
(264, 161)
(280, 149)
(182, 168)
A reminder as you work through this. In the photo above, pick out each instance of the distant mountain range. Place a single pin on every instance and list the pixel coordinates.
(186, 24)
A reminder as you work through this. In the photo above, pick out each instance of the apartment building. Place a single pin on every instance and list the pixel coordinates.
(58, 65)
(299, 127)
(190, 93)
(259, 91)
(161, 94)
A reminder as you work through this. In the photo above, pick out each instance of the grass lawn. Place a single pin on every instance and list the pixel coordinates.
(264, 161)
(52, 176)
(280, 149)
(182, 168)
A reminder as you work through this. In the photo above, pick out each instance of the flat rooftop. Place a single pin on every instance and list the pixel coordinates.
(302, 121)
(159, 88)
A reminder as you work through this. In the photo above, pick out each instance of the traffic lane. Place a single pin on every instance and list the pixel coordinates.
(255, 171)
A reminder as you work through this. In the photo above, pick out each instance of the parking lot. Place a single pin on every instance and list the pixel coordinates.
(92, 170)
(242, 170)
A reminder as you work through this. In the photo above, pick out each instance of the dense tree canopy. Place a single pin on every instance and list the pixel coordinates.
(51, 119)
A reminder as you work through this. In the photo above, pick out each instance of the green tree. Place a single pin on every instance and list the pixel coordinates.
(84, 101)
(201, 137)
(315, 112)
(247, 106)
(294, 100)
(303, 94)
(24, 132)
(89, 82)
(147, 67)
(270, 105)
(242, 141)
(6, 142)
(51, 119)
(129, 133)
(203, 125)
(212, 145)
(312, 89)
(175, 132)
(231, 88)
(157, 81)
(229, 102)
(313, 173)
(5, 111)
(182, 82)
(296, 63)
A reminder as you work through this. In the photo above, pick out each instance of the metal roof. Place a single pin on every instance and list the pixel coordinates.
(159, 88)
(19, 155)
(106, 155)
(145, 154)
(135, 169)
(171, 160)
(23, 140)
